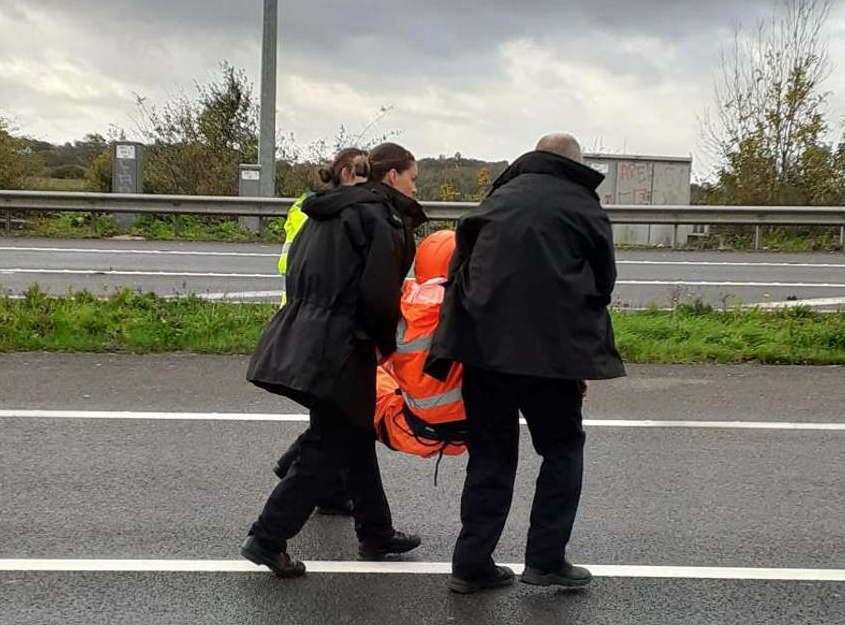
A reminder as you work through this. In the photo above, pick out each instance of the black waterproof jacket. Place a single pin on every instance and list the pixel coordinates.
(344, 281)
(531, 278)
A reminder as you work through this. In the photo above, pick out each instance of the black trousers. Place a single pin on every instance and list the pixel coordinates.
(337, 491)
(552, 409)
(330, 445)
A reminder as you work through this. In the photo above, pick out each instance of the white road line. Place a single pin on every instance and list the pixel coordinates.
(242, 295)
(415, 568)
(71, 250)
(300, 418)
(121, 272)
(820, 301)
(656, 263)
(197, 274)
(708, 263)
(768, 285)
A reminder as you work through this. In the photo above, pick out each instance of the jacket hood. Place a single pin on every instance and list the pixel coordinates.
(540, 162)
(410, 210)
(327, 204)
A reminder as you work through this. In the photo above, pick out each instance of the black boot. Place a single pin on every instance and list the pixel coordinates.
(501, 576)
(568, 576)
(277, 561)
(396, 544)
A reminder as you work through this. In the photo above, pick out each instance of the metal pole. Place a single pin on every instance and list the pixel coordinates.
(842, 238)
(757, 237)
(267, 140)
(9, 221)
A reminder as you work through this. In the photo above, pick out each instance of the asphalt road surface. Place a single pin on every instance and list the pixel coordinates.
(248, 272)
(712, 495)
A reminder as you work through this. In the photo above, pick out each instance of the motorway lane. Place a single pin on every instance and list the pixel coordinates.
(256, 599)
(85, 488)
(171, 268)
(208, 383)
(188, 490)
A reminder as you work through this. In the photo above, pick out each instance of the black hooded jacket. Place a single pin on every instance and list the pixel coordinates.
(531, 278)
(344, 281)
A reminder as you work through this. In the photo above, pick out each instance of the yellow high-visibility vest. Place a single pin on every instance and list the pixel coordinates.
(293, 226)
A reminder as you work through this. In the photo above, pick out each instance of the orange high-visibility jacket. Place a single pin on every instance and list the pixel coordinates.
(419, 414)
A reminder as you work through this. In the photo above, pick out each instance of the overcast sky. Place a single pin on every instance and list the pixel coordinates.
(484, 77)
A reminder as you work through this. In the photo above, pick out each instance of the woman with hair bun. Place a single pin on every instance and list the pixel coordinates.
(321, 349)
(349, 167)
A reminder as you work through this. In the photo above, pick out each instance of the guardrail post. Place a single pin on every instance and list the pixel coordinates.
(757, 234)
(842, 238)
(675, 237)
(8, 221)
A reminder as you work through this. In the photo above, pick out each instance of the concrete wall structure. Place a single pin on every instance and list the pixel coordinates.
(631, 179)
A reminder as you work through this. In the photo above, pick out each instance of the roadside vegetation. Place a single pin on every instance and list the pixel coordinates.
(145, 323)
(770, 131)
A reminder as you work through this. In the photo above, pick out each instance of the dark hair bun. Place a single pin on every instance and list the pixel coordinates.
(325, 175)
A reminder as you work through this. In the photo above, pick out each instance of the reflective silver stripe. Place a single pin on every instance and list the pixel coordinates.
(434, 401)
(286, 247)
(421, 344)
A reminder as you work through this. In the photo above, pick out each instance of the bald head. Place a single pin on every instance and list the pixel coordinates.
(562, 144)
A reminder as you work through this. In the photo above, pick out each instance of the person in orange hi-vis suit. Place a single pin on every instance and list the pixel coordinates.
(416, 413)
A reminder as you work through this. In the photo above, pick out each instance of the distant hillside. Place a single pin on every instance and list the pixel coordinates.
(456, 178)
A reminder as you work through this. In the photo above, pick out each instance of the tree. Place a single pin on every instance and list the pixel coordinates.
(769, 127)
(17, 162)
(449, 192)
(483, 182)
(194, 146)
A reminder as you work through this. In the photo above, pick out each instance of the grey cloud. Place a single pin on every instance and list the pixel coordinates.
(434, 38)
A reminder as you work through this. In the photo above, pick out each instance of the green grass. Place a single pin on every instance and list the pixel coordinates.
(773, 239)
(144, 323)
(43, 183)
(128, 322)
(699, 335)
(165, 228)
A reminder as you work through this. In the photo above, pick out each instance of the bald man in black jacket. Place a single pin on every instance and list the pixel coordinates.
(526, 313)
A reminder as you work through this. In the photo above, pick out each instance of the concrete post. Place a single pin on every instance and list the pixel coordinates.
(249, 185)
(267, 139)
(127, 175)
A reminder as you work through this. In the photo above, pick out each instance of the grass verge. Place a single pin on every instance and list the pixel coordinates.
(144, 323)
(159, 228)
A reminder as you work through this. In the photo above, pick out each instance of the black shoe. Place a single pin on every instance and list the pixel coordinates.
(277, 561)
(337, 508)
(396, 544)
(502, 576)
(568, 576)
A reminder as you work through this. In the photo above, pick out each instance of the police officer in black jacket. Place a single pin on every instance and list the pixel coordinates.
(526, 313)
(345, 275)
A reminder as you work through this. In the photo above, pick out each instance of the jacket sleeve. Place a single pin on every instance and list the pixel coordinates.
(466, 235)
(381, 287)
(601, 256)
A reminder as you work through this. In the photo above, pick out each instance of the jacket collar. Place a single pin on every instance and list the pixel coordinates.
(410, 210)
(327, 204)
(539, 162)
